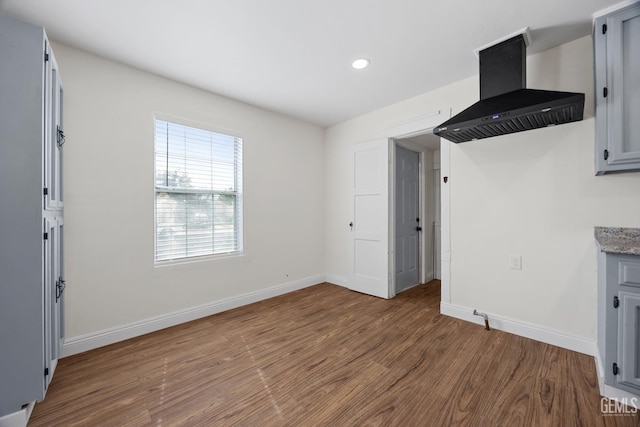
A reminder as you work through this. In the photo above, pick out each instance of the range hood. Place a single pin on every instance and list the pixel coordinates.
(506, 105)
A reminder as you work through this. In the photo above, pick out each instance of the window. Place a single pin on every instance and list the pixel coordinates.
(198, 192)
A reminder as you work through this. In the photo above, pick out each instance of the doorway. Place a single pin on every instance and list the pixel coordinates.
(416, 210)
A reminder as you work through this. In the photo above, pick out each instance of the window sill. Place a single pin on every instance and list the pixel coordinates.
(199, 259)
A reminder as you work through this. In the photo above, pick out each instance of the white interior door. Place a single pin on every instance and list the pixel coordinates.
(369, 223)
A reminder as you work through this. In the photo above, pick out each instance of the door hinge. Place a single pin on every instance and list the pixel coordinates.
(604, 28)
(45, 236)
(46, 371)
(615, 369)
(46, 57)
(616, 302)
(605, 92)
(606, 154)
(45, 191)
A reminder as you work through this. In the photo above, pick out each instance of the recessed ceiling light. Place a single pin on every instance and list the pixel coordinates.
(360, 63)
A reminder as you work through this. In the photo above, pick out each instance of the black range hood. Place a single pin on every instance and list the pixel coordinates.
(505, 105)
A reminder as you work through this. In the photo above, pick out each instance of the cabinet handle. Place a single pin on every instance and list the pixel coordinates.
(60, 138)
(60, 285)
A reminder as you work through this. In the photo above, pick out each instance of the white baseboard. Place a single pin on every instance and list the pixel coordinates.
(429, 276)
(337, 280)
(94, 340)
(18, 419)
(523, 329)
(600, 371)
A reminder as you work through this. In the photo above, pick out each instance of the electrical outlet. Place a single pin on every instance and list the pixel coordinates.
(515, 262)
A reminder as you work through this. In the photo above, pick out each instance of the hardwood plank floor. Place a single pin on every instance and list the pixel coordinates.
(325, 355)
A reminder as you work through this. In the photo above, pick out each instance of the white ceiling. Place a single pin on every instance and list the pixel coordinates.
(294, 56)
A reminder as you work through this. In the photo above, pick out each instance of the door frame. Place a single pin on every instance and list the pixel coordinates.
(420, 126)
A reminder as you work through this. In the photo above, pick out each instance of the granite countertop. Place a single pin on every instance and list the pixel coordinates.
(618, 240)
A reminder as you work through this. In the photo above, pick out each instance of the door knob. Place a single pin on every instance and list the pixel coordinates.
(351, 224)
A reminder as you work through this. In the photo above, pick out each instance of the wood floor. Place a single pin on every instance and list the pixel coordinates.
(327, 356)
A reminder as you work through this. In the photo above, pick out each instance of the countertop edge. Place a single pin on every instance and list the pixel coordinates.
(618, 240)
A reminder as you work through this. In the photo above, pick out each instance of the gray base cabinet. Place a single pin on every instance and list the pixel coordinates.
(620, 304)
(31, 214)
(617, 90)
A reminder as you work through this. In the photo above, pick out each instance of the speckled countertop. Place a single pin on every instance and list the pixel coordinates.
(617, 240)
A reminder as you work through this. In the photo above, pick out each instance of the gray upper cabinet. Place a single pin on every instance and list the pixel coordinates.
(31, 214)
(617, 90)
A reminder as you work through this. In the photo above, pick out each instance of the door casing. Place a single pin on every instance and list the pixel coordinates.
(408, 129)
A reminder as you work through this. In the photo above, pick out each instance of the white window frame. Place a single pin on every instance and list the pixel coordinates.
(239, 179)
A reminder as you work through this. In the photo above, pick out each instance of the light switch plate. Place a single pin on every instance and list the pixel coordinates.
(515, 262)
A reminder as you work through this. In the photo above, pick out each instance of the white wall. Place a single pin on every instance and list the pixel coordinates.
(532, 194)
(110, 272)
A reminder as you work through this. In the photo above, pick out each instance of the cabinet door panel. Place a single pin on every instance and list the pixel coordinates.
(48, 282)
(53, 137)
(628, 342)
(61, 141)
(46, 136)
(624, 79)
(58, 290)
(631, 86)
(629, 273)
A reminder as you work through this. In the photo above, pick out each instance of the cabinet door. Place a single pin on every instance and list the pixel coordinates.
(54, 137)
(48, 281)
(57, 329)
(60, 286)
(628, 340)
(617, 56)
(53, 287)
(623, 44)
(46, 134)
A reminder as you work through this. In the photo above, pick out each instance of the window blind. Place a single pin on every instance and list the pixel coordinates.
(198, 192)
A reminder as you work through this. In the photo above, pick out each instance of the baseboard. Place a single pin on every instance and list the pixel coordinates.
(429, 276)
(523, 329)
(337, 280)
(18, 419)
(600, 371)
(94, 340)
